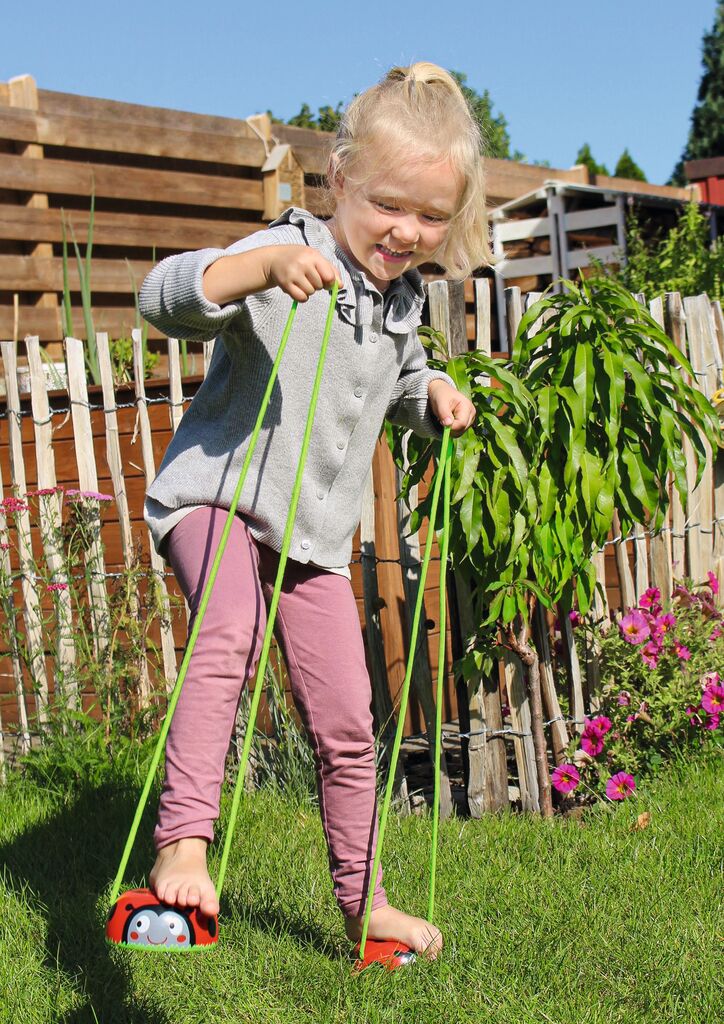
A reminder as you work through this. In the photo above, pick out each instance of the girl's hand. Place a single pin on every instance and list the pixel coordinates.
(299, 270)
(451, 407)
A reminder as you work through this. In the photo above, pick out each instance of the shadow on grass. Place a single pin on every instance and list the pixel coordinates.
(68, 860)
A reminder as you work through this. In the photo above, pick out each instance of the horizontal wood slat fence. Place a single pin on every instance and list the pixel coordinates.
(111, 438)
(164, 181)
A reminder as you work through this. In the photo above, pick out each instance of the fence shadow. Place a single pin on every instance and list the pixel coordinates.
(68, 860)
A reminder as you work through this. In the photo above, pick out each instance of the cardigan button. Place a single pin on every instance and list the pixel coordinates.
(341, 445)
(305, 545)
(358, 392)
(320, 494)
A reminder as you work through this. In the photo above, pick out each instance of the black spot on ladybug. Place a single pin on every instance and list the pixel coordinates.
(212, 927)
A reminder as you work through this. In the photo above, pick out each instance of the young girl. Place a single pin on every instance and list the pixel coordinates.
(406, 178)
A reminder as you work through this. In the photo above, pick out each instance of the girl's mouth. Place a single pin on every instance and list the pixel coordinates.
(393, 255)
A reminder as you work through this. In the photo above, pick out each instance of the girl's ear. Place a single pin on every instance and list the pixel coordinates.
(334, 174)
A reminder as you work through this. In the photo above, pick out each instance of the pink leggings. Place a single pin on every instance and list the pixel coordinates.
(317, 628)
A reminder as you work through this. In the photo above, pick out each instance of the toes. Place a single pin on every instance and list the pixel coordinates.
(169, 894)
(193, 896)
(209, 905)
(182, 897)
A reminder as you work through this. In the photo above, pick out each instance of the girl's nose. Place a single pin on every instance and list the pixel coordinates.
(407, 231)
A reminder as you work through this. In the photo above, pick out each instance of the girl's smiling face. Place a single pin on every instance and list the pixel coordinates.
(395, 220)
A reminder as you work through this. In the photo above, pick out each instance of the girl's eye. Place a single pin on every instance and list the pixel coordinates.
(432, 219)
(388, 207)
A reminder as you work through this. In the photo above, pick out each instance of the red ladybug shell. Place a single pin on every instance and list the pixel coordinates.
(389, 954)
(202, 930)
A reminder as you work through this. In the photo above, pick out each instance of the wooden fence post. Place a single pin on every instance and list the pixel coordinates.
(382, 704)
(50, 514)
(168, 651)
(662, 573)
(487, 782)
(31, 602)
(700, 514)
(10, 613)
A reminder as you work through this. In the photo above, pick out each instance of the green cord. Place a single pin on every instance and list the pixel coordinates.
(204, 601)
(286, 542)
(444, 549)
(404, 695)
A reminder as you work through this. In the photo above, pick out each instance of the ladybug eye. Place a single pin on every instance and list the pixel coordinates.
(142, 923)
(173, 922)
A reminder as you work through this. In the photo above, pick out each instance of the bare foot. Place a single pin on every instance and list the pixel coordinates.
(180, 876)
(389, 923)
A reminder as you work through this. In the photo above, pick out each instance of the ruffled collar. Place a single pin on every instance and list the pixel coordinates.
(403, 300)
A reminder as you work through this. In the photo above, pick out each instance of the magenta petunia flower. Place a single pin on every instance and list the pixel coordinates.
(712, 722)
(565, 778)
(715, 634)
(634, 627)
(650, 597)
(650, 654)
(601, 724)
(682, 651)
(633, 717)
(624, 698)
(663, 623)
(591, 740)
(713, 699)
(575, 618)
(620, 786)
(713, 582)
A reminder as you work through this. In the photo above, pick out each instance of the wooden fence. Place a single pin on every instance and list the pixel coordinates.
(111, 438)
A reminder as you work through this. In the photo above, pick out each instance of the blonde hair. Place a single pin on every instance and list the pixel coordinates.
(421, 113)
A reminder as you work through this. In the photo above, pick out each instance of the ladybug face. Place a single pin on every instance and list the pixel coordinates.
(138, 919)
(154, 926)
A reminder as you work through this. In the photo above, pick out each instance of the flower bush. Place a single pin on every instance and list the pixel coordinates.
(662, 691)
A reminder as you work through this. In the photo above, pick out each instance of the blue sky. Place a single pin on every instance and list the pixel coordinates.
(622, 73)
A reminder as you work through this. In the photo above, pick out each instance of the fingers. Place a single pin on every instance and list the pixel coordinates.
(306, 273)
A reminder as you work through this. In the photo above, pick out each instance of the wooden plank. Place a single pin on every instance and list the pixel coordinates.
(553, 712)
(134, 115)
(7, 603)
(482, 315)
(641, 564)
(626, 583)
(22, 223)
(718, 550)
(700, 514)
(168, 652)
(68, 177)
(662, 574)
(676, 329)
(522, 737)
(32, 613)
(573, 670)
(208, 351)
(176, 397)
(51, 518)
(113, 456)
(421, 672)
(88, 482)
(46, 323)
(382, 704)
(33, 274)
(114, 136)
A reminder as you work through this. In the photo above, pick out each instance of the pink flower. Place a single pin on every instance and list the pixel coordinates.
(88, 495)
(4, 546)
(693, 713)
(575, 618)
(620, 786)
(712, 722)
(713, 699)
(624, 698)
(601, 724)
(650, 654)
(715, 634)
(713, 583)
(712, 679)
(650, 597)
(11, 505)
(52, 587)
(633, 717)
(565, 778)
(42, 492)
(663, 623)
(682, 652)
(634, 627)
(592, 739)
(685, 596)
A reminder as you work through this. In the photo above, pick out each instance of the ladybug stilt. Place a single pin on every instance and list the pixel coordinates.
(139, 920)
(388, 952)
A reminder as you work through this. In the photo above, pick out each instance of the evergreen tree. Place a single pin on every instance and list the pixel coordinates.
(706, 134)
(586, 157)
(628, 168)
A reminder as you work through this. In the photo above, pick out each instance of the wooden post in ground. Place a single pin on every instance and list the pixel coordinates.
(50, 515)
(700, 514)
(32, 613)
(7, 604)
(113, 455)
(384, 712)
(487, 781)
(625, 579)
(676, 330)
(662, 574)
(168, 651)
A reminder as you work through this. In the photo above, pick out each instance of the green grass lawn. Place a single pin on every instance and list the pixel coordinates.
(583, 921)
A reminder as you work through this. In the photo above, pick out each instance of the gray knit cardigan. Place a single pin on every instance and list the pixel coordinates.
(375, 368)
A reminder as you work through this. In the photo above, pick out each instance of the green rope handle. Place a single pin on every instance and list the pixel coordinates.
(271, 616)
(445, 451)
(160, 744)
(444, 549)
